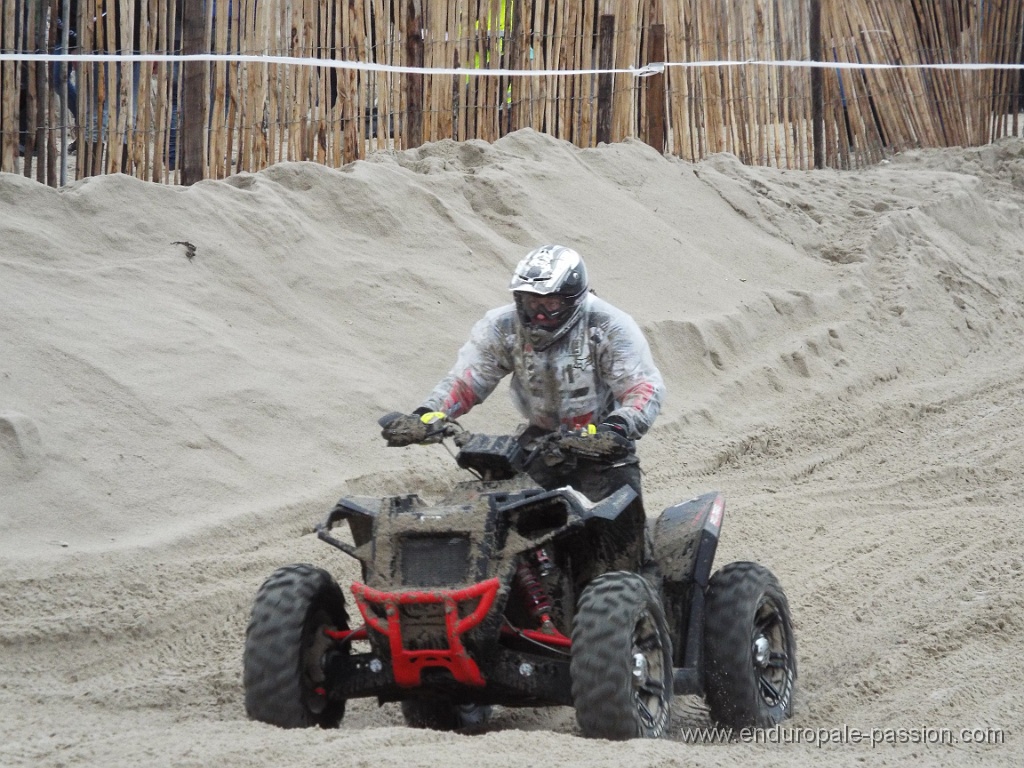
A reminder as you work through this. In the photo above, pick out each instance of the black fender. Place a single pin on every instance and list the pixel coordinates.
(553, 510)
(606, 535)
(685, 540)
(686, 537)
(361, 514)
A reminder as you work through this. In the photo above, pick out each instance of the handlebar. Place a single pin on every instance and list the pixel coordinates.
(400, 430)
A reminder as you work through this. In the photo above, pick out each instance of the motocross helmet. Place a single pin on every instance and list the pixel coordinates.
(549, 286)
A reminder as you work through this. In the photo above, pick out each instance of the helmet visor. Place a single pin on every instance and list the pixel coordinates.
(546, 310)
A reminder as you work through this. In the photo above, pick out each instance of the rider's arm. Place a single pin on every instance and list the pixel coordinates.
(627, 367)
(481, 363)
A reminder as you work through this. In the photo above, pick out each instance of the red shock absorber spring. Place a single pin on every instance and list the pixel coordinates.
(538, 602)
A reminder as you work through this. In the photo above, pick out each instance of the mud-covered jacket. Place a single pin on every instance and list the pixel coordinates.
(601, 366)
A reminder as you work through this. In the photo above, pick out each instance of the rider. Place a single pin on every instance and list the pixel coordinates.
(578, 365)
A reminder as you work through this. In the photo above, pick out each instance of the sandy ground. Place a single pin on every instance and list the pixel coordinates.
(843, 354)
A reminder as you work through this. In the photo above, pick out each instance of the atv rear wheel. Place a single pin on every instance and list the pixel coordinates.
(285, 645)
(621, 664)
(749, 648)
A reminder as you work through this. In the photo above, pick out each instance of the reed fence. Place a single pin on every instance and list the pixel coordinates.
(177, 121)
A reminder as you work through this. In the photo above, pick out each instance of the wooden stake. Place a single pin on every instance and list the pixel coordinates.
(193, 122)
(414, 82)
(655, 86)
(606, 59)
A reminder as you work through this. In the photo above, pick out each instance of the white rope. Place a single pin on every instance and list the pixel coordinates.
(644, 71)
(838, 65)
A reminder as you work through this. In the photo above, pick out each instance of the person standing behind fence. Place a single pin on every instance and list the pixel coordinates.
(58, 69)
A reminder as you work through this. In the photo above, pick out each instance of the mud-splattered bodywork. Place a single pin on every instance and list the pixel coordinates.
(472, 598)
(483, 533)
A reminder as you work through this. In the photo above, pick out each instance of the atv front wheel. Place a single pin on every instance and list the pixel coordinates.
(749, 648)
(621, 664)
(285, 646)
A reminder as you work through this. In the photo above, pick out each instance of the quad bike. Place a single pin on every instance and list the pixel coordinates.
(505, 593)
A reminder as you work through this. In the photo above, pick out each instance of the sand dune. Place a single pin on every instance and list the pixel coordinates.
(843, 355)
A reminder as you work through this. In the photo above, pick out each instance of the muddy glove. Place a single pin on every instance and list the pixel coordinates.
(606, 441)
(615, 430)
(421, 426)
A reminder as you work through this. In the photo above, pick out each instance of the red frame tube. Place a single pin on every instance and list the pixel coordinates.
(538, 636)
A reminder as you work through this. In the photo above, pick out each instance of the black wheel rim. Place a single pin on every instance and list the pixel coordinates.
(315, 645)
(770, 651)
(648, 671)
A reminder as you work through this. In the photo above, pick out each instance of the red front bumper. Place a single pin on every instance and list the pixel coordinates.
(408, 664)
